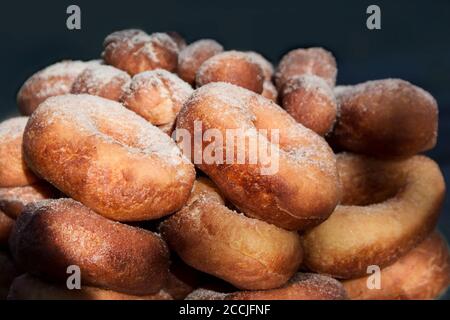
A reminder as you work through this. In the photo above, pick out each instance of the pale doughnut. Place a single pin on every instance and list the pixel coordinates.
(27, 287)
(388, 207)
(423, 273)
(101, 80)
(233, 67)
(301, 192)
(193, 56)
(135, 51)
(13, 170)
(51, 235)
(107, 157)
(385, 118)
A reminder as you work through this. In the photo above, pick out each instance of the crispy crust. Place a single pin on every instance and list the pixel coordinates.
(303, 189)
(423, 273)
(385, 118)
(107, 157)
(27, 287)
(51, 235)
(361, 233)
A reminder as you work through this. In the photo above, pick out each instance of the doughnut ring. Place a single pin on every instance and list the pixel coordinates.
(387, 209)
(51, 235)
(315, 61)
(54, 80)
(107, 157)
(302, 286)
(385, 118)
(135, 51)
(27, 287)
(248, 253)
(13, 170)
(103, 81)
(6, 225)
(193, 56)
(304, 188)
(422, 274)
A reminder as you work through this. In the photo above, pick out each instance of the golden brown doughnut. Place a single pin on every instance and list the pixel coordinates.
(51, 235)
(54, 80)
(135, 51)
(270, 91)
(13, 170)
(193, 56)
(27, 287)
(302, 189)
(203, 187)
(423, 273)
(234, 67)
(265, 65)
(13, 200)
(385, 118)
(310, 101)
(107, 157)
(6, 225)
(178, 39)
(302, 286)
(388, 207)
(248, 253)
(315, 61)
(157, 96)
(7, 274)
(102, 80)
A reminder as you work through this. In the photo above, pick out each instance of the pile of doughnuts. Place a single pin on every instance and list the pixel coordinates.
(97, 186)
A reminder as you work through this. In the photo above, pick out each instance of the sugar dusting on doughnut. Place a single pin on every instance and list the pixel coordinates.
(12, 128)
(265, 65)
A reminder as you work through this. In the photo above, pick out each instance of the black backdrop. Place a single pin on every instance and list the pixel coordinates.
(413, 44)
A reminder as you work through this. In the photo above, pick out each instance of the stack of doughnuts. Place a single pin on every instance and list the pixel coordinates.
(109, 192)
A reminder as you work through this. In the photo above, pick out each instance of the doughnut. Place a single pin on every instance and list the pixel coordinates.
(265, 65)
(54, 80)
(233, 67)
(203, 187)
(13, 170)
(107, 157)
(101, 80)
(421, 274)
(13, 200)
(6, 224)
(270, 91)
(248, 253)
(178, 39)
(27, 287)
(134, 51)
(157, 96)
(302, 189)
(387, 208)
(302, 286)
(315, 61)
(193, 56)
(182, 279)
(51, 235)
(310, 101)
(7, 274)
(385, 118)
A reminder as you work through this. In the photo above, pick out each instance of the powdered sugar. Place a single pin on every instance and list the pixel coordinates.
(12, 128)
(308, 82)
(206, 47)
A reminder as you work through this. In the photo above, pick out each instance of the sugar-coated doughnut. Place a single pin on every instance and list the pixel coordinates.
(27, 287)
(385, 118)
(421, 274)
(193, 56)
(265, 64)
(310, 101)
(13, 170)
(7, 274)
(178, 39)
(388, 207)
(316, 61)
(102, 80)
(6, 224)
(54, 80)
(248, 253)
(107, 157)
(302, 189)
(51, 235)
(13, 200)
(235, 67)
(135, 51)
(270, 91)
(157, 96)
(302, 286)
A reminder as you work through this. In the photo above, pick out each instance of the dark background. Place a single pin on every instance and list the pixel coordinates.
(413, 44)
